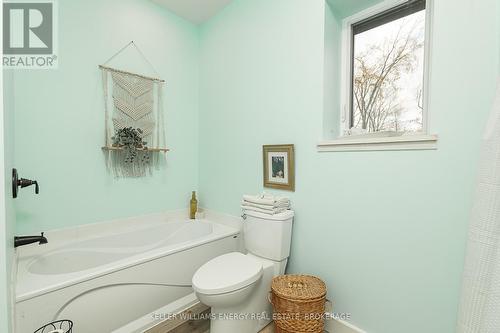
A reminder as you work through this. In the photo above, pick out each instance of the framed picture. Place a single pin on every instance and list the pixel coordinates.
(279, 167)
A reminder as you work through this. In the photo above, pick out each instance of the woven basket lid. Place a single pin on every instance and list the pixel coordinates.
(298, 287)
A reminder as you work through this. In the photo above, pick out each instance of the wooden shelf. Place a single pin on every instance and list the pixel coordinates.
(163, 150)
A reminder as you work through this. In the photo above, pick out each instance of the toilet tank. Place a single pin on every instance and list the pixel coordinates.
(268, 236)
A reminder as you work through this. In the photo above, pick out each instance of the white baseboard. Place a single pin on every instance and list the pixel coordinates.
(341, 326)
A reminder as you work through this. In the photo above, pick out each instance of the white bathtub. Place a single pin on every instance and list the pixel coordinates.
(103, 280)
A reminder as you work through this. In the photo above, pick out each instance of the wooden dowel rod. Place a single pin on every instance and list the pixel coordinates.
(129, 73)
(140, 149)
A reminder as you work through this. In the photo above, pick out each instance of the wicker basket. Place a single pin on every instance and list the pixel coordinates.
(299, 303)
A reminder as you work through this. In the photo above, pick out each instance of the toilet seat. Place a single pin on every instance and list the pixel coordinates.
(227, 273)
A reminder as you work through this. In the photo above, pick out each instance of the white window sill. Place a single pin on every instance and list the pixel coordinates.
(359, 143)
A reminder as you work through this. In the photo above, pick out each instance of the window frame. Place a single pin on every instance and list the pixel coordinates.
(347, 63)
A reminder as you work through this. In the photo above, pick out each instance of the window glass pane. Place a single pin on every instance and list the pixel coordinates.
(388, 69)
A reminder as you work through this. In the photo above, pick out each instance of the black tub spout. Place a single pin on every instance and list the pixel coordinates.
(25, 240)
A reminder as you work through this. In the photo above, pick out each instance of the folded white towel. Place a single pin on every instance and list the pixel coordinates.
(265, 207)
(264, 211)
(266, 199)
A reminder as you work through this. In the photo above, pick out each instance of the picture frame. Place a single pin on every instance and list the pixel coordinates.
(279, 166)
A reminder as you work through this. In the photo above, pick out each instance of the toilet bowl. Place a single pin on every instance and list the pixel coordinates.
(227, 280)
(236, 285)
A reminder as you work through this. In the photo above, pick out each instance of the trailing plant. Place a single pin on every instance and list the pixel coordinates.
(130, 139)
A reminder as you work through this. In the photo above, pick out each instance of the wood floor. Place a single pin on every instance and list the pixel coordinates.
(194, 326)
(204, 327)
(179, 325)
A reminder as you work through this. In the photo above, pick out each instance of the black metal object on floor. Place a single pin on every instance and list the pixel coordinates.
(60, 326)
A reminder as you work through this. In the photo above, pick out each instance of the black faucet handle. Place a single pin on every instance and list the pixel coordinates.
(23, 182)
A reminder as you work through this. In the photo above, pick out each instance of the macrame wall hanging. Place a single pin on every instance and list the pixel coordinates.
(135, 133)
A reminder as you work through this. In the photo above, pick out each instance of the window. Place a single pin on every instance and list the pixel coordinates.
(386, 70)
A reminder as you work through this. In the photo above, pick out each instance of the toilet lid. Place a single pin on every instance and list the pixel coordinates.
(226, 273)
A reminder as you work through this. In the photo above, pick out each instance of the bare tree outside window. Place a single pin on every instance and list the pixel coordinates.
(388, 73)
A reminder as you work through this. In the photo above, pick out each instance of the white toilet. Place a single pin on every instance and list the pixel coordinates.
(235, 285)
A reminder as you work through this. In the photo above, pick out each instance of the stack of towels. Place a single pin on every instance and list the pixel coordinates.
(265, 203)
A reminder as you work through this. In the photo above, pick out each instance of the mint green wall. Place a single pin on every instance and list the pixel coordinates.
(386, 230)
(7, 222)
(345, 8)
(60, 117)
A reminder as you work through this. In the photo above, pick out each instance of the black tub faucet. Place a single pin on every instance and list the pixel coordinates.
(25, 240)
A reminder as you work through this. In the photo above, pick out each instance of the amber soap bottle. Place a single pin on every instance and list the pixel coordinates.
(193, 206)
